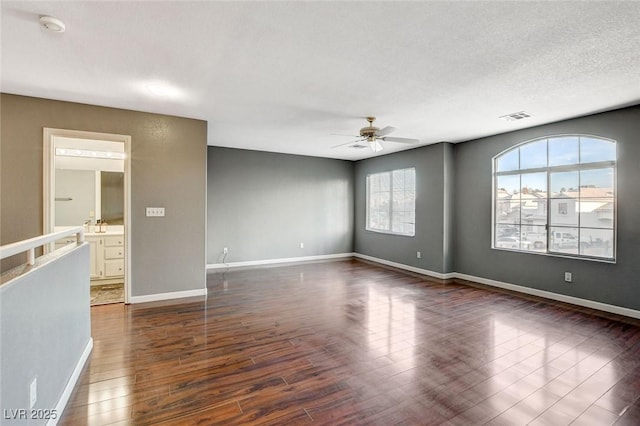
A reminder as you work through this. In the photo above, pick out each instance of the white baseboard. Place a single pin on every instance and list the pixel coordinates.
(71, 384)
(553, 296)
(406, 267)
(167, 296)
(213, 266)
(517, 288)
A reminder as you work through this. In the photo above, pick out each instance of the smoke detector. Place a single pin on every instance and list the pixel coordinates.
(52, 24)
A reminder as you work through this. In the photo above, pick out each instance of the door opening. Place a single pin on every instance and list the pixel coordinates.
(87, 183)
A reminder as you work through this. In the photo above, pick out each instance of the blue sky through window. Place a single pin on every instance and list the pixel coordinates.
(565, 150)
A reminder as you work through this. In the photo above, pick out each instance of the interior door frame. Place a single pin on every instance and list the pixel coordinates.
(49, 186)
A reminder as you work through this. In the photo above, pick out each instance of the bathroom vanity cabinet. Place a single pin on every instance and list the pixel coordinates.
(107, 257)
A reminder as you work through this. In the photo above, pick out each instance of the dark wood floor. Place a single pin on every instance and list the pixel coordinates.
(349, 342)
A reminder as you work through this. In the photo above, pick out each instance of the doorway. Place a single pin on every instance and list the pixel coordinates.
(87, 182)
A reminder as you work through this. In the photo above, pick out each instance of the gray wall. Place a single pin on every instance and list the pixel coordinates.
(168, 169)
(434, 174)
(448, 204)
(45, 327)
(615, 284)
(263, 205)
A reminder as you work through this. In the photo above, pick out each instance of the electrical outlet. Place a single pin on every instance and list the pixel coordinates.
(568, 277)
(301, 245)
(155, 211)
(33, 392)
(419, 255)
(225, 250)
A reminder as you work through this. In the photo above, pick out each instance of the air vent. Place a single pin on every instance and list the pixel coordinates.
(516, 116)
(356, 146)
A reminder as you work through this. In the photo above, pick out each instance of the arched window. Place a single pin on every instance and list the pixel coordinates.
(557, 195)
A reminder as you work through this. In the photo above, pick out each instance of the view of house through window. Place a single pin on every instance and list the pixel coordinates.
(391, 202)
(557, 195)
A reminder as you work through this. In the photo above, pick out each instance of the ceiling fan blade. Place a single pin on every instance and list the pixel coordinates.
(400, 140)
(375, 146)
(386, 130)
(347, 143)
(343, 134)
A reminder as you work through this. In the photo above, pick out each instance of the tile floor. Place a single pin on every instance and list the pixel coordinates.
(107, 293)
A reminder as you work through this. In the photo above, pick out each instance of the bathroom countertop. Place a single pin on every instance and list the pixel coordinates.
(111, 230)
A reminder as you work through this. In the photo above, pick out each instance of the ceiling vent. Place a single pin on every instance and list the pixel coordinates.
(516, 116)
(356, 146)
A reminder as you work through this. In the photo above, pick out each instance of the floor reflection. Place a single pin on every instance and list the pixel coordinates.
(390, 323)
(349, 342)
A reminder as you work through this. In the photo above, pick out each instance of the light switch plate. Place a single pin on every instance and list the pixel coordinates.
(155, 211)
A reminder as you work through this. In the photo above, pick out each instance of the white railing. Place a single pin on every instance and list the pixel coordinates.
(31, 244)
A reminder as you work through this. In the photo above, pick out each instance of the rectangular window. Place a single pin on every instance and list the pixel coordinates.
(562, 209)
(391, 202)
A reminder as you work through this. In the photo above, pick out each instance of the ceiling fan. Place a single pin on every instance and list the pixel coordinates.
(373, 136)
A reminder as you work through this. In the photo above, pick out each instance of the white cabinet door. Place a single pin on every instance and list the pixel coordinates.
(114, 268)
(107, 256)
(113, 252)
(114, 240)
(97, 257)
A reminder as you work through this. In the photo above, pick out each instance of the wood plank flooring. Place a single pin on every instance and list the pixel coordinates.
(348, 342)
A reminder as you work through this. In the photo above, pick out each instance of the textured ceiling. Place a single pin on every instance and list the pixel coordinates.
(284, 76)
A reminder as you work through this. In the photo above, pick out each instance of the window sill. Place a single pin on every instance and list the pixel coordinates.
(377, 231)
(561, 255)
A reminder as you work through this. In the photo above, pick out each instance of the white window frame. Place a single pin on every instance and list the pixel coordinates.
(549, 251)
(390, 210)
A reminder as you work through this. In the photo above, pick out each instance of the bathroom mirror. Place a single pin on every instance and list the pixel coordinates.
(112, 197)
(89, 182)
(88, 195)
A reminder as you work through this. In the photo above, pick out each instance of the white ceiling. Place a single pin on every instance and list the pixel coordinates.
(284, 76)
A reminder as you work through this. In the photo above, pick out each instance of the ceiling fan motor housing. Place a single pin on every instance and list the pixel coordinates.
(369, 132)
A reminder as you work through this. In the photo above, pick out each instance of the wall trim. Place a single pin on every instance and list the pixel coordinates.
(73, 380)
(619, 310)
(553, 296)
(632, 313)
(427, 272)
(167, 296)
(214, 266)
